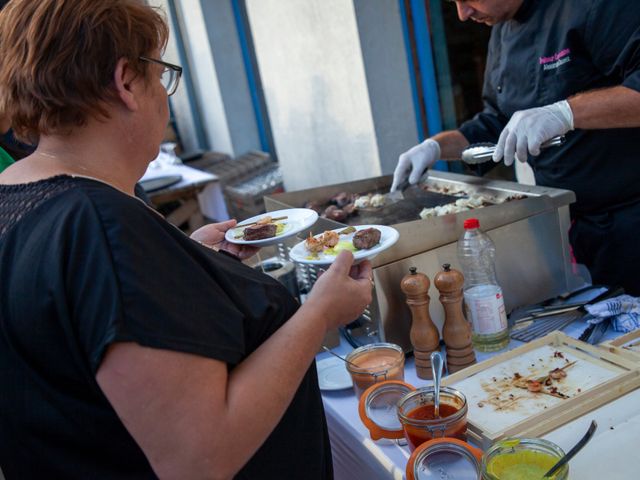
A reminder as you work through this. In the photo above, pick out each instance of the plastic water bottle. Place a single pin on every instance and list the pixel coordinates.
(484, 304)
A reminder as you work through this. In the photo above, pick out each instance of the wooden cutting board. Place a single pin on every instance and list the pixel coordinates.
(498, 408)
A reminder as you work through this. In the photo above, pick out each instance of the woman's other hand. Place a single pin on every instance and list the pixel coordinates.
(343, 291)
(212, 236)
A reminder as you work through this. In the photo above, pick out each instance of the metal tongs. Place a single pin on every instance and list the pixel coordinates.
(547, 318)
(550, 310)
(483, 152)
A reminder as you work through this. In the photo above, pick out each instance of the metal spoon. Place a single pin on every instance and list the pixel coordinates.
(571, 453)
(436, 369)
(341, 358)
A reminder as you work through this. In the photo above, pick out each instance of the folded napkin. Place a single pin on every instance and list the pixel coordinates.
(623, 310)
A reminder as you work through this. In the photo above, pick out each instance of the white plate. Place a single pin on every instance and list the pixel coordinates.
(333, 374)
(388, 236)
(298, 219)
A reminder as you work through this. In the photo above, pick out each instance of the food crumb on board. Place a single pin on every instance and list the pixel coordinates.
(538, 381)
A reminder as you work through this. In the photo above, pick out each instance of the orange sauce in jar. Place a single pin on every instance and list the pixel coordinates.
(375, 363)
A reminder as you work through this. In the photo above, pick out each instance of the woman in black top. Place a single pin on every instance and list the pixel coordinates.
(128, 350)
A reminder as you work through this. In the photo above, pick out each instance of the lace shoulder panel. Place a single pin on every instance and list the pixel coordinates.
(17, 201)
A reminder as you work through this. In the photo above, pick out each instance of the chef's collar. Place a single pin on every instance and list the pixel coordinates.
(525, 11)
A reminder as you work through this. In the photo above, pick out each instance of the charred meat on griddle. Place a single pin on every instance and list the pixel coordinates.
(260, 232)
(342, 199)
(366, 238)
(349, 208)
(334, 213)
(314, 205)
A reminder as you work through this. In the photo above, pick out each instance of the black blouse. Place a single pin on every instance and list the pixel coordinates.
(82, 266)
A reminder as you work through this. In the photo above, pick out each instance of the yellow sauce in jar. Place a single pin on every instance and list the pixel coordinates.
(521, 465)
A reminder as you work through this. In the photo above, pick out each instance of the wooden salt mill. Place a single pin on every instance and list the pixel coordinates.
(423, 334)
(456, 331)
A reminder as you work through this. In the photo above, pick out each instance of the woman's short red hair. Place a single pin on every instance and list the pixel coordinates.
(58, 59)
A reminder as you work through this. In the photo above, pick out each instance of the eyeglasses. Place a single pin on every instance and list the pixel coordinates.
(170, 74)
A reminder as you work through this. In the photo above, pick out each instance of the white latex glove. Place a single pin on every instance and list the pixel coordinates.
(415, 161)
(528, 129)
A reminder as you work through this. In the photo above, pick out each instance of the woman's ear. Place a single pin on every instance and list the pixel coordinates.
(123, 78)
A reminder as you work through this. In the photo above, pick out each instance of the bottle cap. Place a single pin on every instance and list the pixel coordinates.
(471, 223)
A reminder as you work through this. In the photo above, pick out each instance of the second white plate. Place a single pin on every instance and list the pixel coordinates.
(388, 237)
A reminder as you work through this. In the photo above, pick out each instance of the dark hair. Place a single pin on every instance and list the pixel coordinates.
(59, 57)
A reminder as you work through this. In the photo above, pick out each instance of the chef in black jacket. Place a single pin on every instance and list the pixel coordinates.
(562, 67)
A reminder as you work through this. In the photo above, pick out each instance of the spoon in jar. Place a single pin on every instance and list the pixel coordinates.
(341, 358)
(436, 370)
(571, 453)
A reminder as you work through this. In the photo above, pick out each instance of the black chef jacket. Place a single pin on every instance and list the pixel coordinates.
(553, 49)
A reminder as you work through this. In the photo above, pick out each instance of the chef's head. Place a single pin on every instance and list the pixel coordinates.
(488, 12)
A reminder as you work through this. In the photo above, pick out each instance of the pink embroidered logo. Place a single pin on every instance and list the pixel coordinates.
(555, 60)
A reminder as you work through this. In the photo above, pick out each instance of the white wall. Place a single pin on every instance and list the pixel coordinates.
(206, 86)
(180, 105)
(313, 75)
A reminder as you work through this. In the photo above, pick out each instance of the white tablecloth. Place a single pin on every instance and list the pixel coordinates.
(614, 452)
(210, 199)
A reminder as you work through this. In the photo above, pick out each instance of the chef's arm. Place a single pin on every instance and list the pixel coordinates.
(448, 145)
(614, 107)
(414, 162)
(452, 143)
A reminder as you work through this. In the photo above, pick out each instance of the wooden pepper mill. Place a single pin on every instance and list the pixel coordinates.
(423, 334)
(456, 331)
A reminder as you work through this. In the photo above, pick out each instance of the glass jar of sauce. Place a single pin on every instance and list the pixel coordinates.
(395, 409)
(444, 458)
(375, 363)
(522, 459)
(416, 413)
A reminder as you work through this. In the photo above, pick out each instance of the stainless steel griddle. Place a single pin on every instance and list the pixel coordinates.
(531, 237)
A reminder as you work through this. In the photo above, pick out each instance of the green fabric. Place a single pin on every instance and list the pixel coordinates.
(5, 159)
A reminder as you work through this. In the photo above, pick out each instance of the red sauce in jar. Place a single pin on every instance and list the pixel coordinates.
(426, 412)
(433, 427)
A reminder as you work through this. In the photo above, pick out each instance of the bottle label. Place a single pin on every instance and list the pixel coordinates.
(485, 309)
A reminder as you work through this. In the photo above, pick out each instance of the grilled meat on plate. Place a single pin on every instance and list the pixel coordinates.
(260, 232)
(366, 238)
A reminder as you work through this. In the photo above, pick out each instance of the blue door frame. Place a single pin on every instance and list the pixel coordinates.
(253, 77)
(429, 101)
